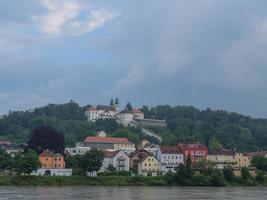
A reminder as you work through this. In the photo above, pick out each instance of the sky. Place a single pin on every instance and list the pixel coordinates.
(205, 53)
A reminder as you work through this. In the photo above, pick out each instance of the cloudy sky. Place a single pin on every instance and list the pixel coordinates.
(205, 53)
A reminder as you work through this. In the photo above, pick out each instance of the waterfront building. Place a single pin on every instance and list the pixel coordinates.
(195, 151)
(73, 151)
(170, 157)
(149, 166)
(117, 159)
(136, 156)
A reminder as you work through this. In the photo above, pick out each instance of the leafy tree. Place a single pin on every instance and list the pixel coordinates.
(205, 166)
(46, 138)
(245, 173)
(260, 176)
(5, 160)
(228, 174)
(27, 163)
(260, 162)
(214, 145)
(92, 160)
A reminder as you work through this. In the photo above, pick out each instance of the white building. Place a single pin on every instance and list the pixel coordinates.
(152, 148)
(103, 111)
(52, 172)
(170, 157)
(73, 151)
(117, 159)
(127, 118)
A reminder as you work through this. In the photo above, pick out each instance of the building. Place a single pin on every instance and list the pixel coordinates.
(195, 151)
(152, 148)
(170, 157)
(128, 118)
(101, 134)
(117, 159)
(136, 156)
(109, 143)
(73, 151)
(13, 149)
(103, 111)
(227, 158)
(52, 164)
(151, 123)
(149, 166)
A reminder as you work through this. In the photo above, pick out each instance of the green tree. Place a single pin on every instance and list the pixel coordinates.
(214, 145)
(245, 173)
(228, 174)
(92, 160)
(5, 160)
(27, 163)
(128, 107)
(260, 162)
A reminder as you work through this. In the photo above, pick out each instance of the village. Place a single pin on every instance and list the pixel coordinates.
(143, 159)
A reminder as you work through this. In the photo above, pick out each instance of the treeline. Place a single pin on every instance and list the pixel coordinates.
(68, 119)
(184, 124)
(213, 128)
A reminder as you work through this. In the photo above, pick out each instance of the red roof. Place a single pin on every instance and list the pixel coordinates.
(170, 149)
(94, 139)
(110, 154)
(91, 109)
(137, 111)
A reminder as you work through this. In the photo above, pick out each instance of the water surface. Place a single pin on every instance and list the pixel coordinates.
(135, 193)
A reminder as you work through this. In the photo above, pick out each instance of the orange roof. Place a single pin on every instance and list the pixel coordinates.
(137, 111)
(91, 109)
(110, 154)
(94, 139)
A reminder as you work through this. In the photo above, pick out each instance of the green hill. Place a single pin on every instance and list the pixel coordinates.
(184, 124)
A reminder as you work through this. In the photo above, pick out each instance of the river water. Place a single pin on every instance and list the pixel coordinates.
(135, 193)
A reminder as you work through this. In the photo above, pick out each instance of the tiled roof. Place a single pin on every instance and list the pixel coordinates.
(137, 111)
(91, 109)
(110, 154)
(94, 139)
(170, 149)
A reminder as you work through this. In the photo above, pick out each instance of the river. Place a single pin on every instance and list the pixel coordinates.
(135, 193)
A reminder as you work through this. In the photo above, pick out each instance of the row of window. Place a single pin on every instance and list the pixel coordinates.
(172, 157)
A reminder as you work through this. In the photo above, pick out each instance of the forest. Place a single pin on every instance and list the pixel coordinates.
(215, 128)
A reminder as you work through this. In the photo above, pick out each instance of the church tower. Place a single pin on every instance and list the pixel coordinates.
(117, 104)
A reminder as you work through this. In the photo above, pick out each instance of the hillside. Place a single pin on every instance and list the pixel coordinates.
(185, 124)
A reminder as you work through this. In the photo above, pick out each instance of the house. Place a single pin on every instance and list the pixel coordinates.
(149, 166)
(101, 134)
(103, 111)
(52, 164)
(195, 151)
(109, 143)
(152, 148)
(73, 151)
(224, 159)
(170, 157)
(13, 149)
(128, 118)
(117, 159)
(136, 156)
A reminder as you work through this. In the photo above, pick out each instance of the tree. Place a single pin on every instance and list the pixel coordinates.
(92, 160)
(245, 173)
(214, 145)
(205, 166)
(128, 107)
(228, 174)
(27, 163)
(46, 137)
(5, 160)
(260, 162)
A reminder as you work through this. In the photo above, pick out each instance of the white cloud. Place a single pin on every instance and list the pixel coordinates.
(64, 17)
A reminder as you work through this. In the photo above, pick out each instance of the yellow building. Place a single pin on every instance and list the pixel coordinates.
(149, 166)
(227, 159)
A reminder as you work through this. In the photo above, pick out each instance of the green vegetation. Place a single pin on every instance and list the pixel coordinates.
(184, 124)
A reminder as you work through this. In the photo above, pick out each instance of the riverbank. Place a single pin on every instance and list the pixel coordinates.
(103, 181)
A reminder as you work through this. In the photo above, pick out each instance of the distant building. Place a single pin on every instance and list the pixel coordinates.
(103, 111)
(151, 123)
(195, 151)
(127, 118)
(73, 151)
(152, 148)
(101, 134)
(108, 143)
(136, 156)
(52, 165)
(117, 159)
(170, 157)
(149, 166)
(13, 149)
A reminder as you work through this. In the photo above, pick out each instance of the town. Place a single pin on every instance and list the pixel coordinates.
(100, 154)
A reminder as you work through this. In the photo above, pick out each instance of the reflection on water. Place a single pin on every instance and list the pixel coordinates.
(135, 193)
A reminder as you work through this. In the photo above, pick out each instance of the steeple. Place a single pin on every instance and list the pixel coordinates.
(112, 103)
(117, 104)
